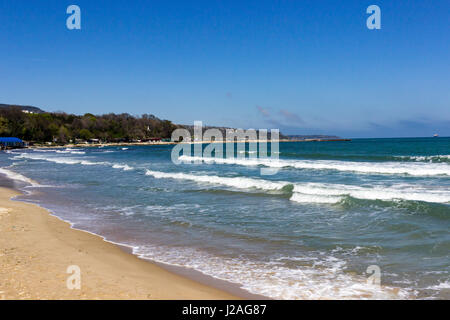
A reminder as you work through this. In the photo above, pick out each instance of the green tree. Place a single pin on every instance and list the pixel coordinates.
(4, 129)
(63, 134)
(111, 127)
(85, 134)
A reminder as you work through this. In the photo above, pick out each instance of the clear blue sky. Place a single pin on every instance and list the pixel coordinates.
(304, 66)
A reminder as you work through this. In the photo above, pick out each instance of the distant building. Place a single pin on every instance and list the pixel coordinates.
(10, 143)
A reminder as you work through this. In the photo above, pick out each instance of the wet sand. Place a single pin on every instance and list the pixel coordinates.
(37, 248)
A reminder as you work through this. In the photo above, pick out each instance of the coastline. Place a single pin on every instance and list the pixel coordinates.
(113, 234)
(37, 248)
(125, 144)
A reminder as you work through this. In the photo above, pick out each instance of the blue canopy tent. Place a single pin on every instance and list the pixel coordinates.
(11, 143)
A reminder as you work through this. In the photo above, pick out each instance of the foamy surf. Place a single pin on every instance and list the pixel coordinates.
(59, 160)
(413, 169)
(316, 192)
(18, 177)
(124, 167)
(435, 158)
(300, 234)
(239, 182)
(73, 161)
(71, 151)
(335, 193)
(273, 279)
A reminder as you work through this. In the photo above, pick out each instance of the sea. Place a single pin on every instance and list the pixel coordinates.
(360, 219)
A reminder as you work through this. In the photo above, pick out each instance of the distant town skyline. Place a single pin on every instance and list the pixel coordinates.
(304, 67)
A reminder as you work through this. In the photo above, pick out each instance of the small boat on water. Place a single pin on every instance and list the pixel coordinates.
(435, 135)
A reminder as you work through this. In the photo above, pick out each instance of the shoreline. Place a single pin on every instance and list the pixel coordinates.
(164, 143)
(38, 247)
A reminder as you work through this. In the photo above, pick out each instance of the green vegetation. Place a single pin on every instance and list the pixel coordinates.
(63, 128)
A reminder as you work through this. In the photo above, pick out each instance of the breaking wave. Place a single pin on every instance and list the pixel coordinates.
(18, 177)
(326, 280)
(60, 160)
(317, 192)
(124, 167)
(413, 169)
(435, 158)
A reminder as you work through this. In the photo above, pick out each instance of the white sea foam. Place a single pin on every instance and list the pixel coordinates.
(65, 151)
(60, 160)
(440, 286)
(414, 169)
(124, 167)
(44, 150)
(318, 192)
(326, 280)
(18, 177)
(433, 158)
(71, 152)
(72, 161)
(332, 192)
(237, 182)
(310, 198)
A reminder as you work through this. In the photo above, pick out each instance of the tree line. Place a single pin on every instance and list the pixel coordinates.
(64, 128)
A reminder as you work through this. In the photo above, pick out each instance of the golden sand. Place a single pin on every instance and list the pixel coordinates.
(37, 248)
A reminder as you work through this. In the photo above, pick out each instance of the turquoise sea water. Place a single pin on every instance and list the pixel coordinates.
(309, 231)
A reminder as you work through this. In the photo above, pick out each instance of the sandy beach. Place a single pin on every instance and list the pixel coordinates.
(36, 249)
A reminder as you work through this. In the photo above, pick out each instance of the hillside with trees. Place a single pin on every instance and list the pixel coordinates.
(63, 128)
(34, 125)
